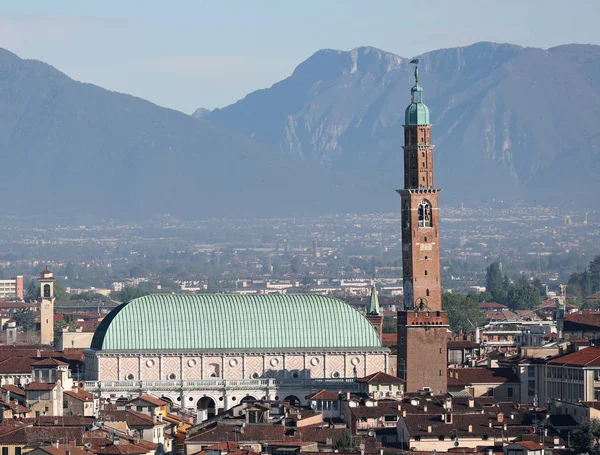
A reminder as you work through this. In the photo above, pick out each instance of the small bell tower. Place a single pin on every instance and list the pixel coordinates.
(47, 307)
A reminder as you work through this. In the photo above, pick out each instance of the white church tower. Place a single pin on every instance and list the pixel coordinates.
(47, 307)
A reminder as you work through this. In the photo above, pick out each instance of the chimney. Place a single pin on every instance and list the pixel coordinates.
(504, 426)
(429, 429)
(471, 402)
(404, 413)
(425, 408)
(500, 417)
(470, 428)
(490, 423)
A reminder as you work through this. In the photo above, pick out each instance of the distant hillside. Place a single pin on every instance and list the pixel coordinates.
(73, 148)
(506, 118)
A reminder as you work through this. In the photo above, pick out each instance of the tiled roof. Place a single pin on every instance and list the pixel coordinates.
(39, 386)
(133, 418)
(48, 363)
(81, 395)
(529, 445)
(62, 449)
(122, 449)
(150, 399)
(36, 435)
(462, 344)
(491, 305)
(418, 425)
(14, 389)
(381, 378)
(586, 317)
(65, 421)
(323, 395)
(584, 357)
(374, 412)
(483, 375)
(14, 365)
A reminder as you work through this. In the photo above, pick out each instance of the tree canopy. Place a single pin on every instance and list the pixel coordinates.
(586, 438)
(24, 318)
(522, 295)
(463, 311)
(587, 282)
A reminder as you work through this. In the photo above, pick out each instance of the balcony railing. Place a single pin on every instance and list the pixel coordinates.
(239, 384)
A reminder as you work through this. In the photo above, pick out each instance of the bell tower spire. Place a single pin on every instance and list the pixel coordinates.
(422, 324)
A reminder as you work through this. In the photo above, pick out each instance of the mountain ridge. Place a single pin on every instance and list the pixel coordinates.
(75, 148)
(502, 114)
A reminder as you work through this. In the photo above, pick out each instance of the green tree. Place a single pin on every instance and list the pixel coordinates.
(586, 438)
(32, 291)
(24, 319)
(463, 311)
(390, 325)
(60, 293)
(344, 443)
(130, 293)
(494, 280)
(523, 296)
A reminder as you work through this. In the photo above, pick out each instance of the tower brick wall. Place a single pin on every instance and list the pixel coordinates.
(422, 325)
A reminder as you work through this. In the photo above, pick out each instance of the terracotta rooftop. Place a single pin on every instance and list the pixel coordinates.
(62, 449)
(529, 445)
(48, 363)
(14, 389)
(491, 306)
(482, 375)
(381, 378)
(464, 344)
(150, 399)
(39, 386)
(585, 357)
(323, 395)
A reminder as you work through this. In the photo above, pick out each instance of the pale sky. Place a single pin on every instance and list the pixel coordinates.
(185, 54)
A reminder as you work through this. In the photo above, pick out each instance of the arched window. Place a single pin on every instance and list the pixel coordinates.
(425, 214)
(47, 291)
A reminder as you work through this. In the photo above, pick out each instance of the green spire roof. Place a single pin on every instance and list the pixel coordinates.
(231, 322)
(373, 307)
(417, 112)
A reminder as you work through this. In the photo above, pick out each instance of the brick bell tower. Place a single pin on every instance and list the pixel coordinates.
(422, 325)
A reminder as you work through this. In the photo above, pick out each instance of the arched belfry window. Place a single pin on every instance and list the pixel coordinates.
(47, 291)
(425, 214)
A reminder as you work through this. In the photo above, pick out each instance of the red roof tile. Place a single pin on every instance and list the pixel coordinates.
(482, 375)
(323, 395)
(39, 386)
(584, 357)
(381, 378)
(49, 363)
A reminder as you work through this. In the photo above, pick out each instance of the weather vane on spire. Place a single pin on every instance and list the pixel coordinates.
(415, 61)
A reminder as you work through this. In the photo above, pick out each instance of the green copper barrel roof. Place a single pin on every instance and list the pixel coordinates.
(227, 321)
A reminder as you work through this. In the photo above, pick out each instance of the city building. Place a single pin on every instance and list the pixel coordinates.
(422, 325)
(208, 352)
(12, 288)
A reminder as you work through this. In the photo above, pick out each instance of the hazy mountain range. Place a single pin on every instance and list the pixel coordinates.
(70, 148)
(325, 140)
(508, 122)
